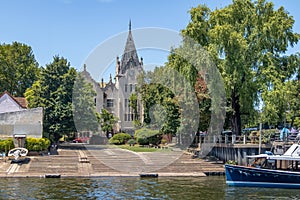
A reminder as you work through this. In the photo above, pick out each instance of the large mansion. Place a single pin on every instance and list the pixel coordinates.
(114, 95)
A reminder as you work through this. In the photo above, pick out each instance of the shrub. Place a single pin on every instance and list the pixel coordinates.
(163, 141)
(268, 134)
(37, 144)
(231, 162)
(265, 137)
(146, 136)
(131, 142)
(120, 138)
(6, 145)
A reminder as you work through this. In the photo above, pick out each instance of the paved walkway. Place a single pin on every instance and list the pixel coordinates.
(95, 161)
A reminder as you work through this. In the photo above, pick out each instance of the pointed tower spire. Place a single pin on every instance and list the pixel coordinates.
(129, 58)
(130, 25)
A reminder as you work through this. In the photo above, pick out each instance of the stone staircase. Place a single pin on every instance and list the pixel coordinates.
(129, 162)
(97, 162)
(64, 163)
(123, 161)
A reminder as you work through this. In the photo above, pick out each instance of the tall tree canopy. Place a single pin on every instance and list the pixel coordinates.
(107, 121)
(168, 103)
(248, 41)
(84, 108)
(161, 109)
(18, 68)
(196, 79)
(53, 92)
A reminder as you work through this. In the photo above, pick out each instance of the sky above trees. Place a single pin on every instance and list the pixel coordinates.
(73, 28)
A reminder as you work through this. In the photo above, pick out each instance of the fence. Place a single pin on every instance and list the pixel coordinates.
(239, 139)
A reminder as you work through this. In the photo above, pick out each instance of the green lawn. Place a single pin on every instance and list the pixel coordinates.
(138, 148)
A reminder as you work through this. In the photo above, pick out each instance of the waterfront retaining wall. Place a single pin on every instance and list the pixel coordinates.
(236, 153)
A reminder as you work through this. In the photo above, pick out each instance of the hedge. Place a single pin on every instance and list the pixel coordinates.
(37, 144)
(6, 145)
(120, 138)
(146, 136)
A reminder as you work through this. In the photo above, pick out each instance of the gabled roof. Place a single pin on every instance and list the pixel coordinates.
(129, 57)
(21, 101)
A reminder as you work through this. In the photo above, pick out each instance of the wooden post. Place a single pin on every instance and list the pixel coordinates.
(244, 140)
(260, 133)
(233, 139)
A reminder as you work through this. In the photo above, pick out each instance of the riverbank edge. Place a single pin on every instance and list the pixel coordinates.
(103, 175)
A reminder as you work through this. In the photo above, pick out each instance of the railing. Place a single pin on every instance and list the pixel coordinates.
(241, 139)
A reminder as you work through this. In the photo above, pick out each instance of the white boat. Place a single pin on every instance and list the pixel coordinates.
(17, 152)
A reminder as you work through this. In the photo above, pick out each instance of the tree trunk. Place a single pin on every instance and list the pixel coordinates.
(236, 115)
(293, 119)
(56, 137)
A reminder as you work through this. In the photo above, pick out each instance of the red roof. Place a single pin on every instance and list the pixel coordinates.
(19, 100)
(22, 101)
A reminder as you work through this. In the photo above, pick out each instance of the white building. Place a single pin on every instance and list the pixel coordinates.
(18, 122)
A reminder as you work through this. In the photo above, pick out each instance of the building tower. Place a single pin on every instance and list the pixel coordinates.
(114, 95)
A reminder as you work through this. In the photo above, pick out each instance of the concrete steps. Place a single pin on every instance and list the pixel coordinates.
(111, 162)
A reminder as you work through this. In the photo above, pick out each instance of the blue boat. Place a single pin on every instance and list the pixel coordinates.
(279, 171)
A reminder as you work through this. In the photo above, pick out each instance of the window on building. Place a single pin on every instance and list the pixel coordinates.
(110, 103)
(129, 117)
(126, 87)
(130, 87)
(125, 117)
(126, 103)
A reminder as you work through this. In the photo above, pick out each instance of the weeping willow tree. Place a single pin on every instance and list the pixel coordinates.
(248, 42)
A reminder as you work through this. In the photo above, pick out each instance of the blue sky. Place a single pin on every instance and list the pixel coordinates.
(73, 28)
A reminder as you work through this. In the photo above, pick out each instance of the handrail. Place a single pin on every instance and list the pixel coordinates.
(240, 139)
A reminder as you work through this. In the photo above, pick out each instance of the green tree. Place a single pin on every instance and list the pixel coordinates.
(18, 68)
(53, 92)
(84, 109)
(161, 108)
(107, 121)
(133, 103)
(195, 78)
(248, 41)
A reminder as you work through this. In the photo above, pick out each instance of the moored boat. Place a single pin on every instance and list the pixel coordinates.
(17, 152)
(267, 170)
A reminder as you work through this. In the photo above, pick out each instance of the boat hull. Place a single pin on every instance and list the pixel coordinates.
(257, 177)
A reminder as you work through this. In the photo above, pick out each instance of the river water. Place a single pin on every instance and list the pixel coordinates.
(135, 188)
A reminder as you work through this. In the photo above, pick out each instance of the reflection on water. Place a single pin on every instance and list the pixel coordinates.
(134, 188)
(261, 193)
